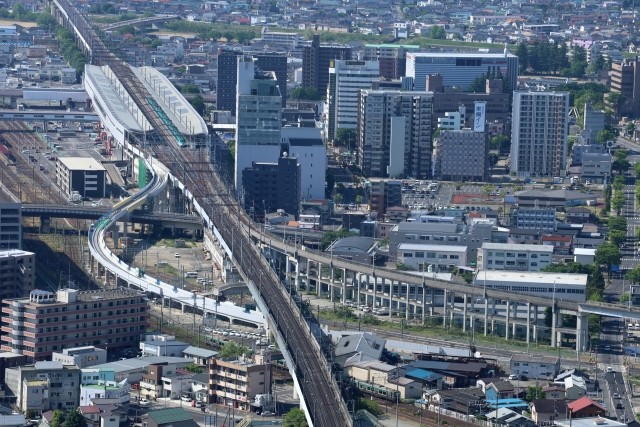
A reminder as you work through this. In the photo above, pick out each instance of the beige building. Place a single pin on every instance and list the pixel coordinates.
(235, 382)
(408, 388)
(373, 371)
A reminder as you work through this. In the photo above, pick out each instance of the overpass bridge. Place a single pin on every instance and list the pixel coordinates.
(303, 347)
(164, 219)
(33, 115)
(157, 22)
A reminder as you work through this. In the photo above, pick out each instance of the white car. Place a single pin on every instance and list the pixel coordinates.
(225, 334)
(177, 255)
(513, 377)
(144, 402)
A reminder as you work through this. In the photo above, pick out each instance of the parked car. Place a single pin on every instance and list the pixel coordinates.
(144, 402)
(513, 377)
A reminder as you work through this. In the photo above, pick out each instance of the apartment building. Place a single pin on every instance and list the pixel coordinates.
(10, 220)
(112, 319)
(346, 79)
(227, 80)
(17, 273)
(535, 218)
(539, 133)
(394, 133)
(625, 80)
(235, 382)
(45, 386)
(384, 194)
(461, 155)
(472, 236)
(316, 59)
(503, 256)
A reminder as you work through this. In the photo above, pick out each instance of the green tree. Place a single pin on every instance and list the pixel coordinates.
(337, 199)
(46, 21)
(75, 419)
(307, 93)
(501, 143)
(232, 349)
(619, 182)
(478, 85)
(534, 393)
(624, 298)
(198, 104)
(621, 163)
(608, 254)
(156, 43)
(522, 52)
(631, 128)
(617, 202)
(127, 29)
(331, 236)
(487, 189)
(548, 317)
(617, 223)
(615, 101)
(617, 237)
(57, 418)
(358, 200)
(194, 368)
(190, 88)
(437, 32)
(370, 406)
(346, 137)
(493, 160)
(633, 276)
(295, 418)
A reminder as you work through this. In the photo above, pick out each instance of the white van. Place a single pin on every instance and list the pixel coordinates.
(630, 326)
(609, 369)
(191, 275)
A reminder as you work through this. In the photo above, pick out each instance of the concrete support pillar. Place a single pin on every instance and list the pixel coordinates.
(390, 297)
(452, 299)
(357, 288)
(528, 322)
(582, 326)
(554, 321)
(424, 302)
(115, 234)
(464, 314)
(433, 302)
(319, 270)
(560, 324)
(183, 306)
(125, 229)
(344, 286)
(295, 393)
(408, 306)
(375, 290)
(298, 275)
(91, 263)
(444, 308)
(308, 282)
(506, 322)
(515, 318)
(486, 315)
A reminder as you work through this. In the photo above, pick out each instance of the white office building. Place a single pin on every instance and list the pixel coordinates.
(346, 78)
(536, 219)
(561, 286)
(539, 133)
(441, 258)
(258, 118)
(506, 256)
(307, 146)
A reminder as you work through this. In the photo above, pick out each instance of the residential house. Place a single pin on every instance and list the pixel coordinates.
(554, 392)
(579, 215)
(509, 418)
(585, 407)
(408, 388)
(499, 390)
(561, 244)
(575, 387)
(536, 367)
(364, 345)
(547, 410)
(200, 356)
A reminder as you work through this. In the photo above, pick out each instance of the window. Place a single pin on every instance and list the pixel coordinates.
(408, 255)
(431, 254)
(411, 237)
(419, 254)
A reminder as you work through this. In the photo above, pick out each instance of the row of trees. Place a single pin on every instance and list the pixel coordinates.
(217, 32)
(479, 83)
(543, 57)
(618, 200)
(309, 93)
(70, 51)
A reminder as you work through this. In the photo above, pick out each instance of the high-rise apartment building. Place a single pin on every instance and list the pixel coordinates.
(113, 319)
(228, 75)
(394, 133)
(227, 80)
(625, 80)
(316, 59)
(18, 273)
(346, 79)
(460, 68)
(539, 133)
(391, 58)
(11, 220)
(258, 118)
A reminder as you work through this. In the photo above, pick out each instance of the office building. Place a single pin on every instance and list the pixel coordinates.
(539, 133)
(536, 218)
(566, 286)
(228, 75)
(384, 194)
(535, 367)
(579, 150)
(391, 58)
(227, 80)
(18, 274)
(45, 386)
(83, 175)
(82, 357)
(10, 220)
(394, 133)
(470, 235)
(461, 155)
(453, 120)
(505, 256)
(162, 345)
(420, 256)
(316, 59)
(625, 80)
(596, 167)
(593, 120)
(269, 187)
(346, 79)
(235, 382)
(307, 146)
(460, 68)
(112, 319)
(258, 118)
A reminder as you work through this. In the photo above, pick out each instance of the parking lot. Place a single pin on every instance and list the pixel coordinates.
(421, 195)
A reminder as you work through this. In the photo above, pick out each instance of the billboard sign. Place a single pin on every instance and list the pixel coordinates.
(479, 116)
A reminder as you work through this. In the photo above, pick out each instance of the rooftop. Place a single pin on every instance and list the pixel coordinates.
(81, 163)
(534, 359)
(141, 362)
(199, 352)
(439, 248)
(532, 276)
(589, 422)
(169, 415)
(460, 54)
(516, 247)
